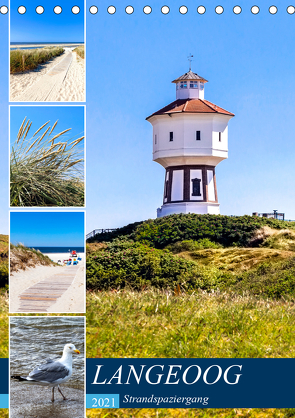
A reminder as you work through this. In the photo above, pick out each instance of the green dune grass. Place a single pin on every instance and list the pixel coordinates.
(28, 59)
(190, 413)
(155, 323)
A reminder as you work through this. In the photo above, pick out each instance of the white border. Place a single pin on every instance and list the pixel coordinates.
(49, 317)
(44, 208)
(51, 313)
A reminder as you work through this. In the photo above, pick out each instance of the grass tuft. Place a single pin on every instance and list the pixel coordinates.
(80, 50)
(44, 172)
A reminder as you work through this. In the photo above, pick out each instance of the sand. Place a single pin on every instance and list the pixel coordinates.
(73, 299)
(72, 88)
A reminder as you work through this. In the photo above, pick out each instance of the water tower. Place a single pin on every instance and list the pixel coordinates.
(190, 137)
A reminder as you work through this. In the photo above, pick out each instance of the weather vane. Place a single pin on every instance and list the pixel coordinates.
(190, 61)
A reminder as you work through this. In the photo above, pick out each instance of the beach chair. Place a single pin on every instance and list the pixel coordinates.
(69, 262)
(79, 259)
(75, 262)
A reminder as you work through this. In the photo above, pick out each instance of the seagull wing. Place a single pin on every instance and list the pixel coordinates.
(50, 372)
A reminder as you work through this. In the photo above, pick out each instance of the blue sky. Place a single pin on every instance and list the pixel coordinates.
(131, 61)
(47, 229)
(67, 116)
(48, 26)
(248, 62)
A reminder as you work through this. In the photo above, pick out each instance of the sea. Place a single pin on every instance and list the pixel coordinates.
(48, 250)
(35, 339)
(26, 45)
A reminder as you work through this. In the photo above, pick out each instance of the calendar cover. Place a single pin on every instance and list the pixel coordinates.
(147, 220)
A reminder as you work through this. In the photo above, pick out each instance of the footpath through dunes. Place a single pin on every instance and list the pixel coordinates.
(61, 79)
(48, 86)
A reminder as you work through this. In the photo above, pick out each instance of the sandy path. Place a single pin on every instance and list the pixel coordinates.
(21, 81)
(72, 299)
(62, 79)
(73, 87)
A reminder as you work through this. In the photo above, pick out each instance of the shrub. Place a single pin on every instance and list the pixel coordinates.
(135, 265)
(4, 273)
(225, 230)
(272, 280)
(190, 245)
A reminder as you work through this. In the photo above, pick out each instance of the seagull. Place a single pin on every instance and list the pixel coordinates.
(53, 372)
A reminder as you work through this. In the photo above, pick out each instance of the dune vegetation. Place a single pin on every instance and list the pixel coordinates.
(3, 260)
(45, 169)
(80, 50)
(190, 413)
(22, 257)
(187, 286)
(227, 282)
(193, 253)
(155, 323)
(4, 343)
(28, 59)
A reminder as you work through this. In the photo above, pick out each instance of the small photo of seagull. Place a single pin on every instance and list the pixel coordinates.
(53, 372)
(47, 366)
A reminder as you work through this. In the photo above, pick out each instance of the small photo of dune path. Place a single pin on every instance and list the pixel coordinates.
(47, 54)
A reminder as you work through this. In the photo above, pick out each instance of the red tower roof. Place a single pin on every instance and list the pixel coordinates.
(191, 106)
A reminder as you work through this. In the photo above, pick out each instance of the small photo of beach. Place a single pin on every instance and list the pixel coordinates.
(47, 156)
(47, 366)
(47, 262)
(47, 52)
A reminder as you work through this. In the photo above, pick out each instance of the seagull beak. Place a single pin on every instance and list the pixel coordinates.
(77, 351)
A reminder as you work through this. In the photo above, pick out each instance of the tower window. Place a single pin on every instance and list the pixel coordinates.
(155, 139)
(196, 187)
(166, 189)
(193, 84)
(202, 86)
(171, 136)
(219, 136)
(198, 135)
(183, 84)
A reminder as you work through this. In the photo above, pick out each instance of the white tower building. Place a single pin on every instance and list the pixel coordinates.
(190, 138)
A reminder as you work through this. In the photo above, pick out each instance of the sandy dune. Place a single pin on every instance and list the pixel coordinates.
(71, 88)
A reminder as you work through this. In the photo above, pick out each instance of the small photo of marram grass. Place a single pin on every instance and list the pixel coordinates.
(47, 156)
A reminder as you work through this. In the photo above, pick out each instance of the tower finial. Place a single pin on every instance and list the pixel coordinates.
(190, 61)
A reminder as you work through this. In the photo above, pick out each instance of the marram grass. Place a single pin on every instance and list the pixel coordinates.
(80, 51)
(28, 59)
(45, 168)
